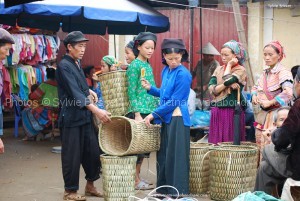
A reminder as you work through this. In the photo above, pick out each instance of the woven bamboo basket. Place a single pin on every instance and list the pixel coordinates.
(232, 171)
(118, 176)
(124, 136)
(244, 143)
(114, 91)
(199, 167)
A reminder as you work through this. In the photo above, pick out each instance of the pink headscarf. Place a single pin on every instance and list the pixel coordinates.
(278, 46)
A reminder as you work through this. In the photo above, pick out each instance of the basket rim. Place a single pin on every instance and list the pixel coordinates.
(203, 145)
(225, 143)
(126, 118)
(115, 157)
(131, 127)
(116, 71)
(247, 148)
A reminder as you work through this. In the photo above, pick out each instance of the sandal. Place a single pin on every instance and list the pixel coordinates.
(143, 186)
(73, 196)
(93, 192)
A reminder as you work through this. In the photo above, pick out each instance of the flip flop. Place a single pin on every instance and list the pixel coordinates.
(93, 192)
(73, 197)
(147, 181)
(143, 186)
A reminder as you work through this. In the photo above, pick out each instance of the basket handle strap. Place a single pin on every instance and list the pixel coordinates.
(202, 161)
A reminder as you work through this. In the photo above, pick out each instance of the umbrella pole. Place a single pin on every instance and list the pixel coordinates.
(236, 121)
(201, 56)
(115, 48)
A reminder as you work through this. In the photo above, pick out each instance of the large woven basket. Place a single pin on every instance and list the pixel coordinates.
(118, 176)
(199, 168)
(232, 171)
(244, 143)
(114, 91)
(124, 136)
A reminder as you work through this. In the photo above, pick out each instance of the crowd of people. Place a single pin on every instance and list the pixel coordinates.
(78, 91)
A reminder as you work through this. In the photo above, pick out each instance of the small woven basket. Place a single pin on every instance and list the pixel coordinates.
(232, 171)
(118, 176)
(199, 167)
(124, 136)
(114, 91)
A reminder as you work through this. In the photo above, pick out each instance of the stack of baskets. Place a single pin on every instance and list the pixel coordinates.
(122, 137)
(118, 175)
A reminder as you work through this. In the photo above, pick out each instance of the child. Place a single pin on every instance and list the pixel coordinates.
(173, 156)
(129, 55)
(108, 63)
(141, 103)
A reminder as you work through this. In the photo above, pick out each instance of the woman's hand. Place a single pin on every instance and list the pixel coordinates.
(235, 86)
(255, 100)
(232, 62)
(148, 119)
(1, 147)
(145, 84)
(266, 103)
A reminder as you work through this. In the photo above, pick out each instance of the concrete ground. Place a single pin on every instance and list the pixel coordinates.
(29, 171)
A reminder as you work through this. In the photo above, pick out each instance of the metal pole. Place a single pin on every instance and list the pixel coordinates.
(115, 48)
(201, 56)
(192, 13)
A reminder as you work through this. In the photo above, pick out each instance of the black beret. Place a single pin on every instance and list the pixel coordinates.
(74, 37)
(6, 37)
(177, 43)
(143, 36)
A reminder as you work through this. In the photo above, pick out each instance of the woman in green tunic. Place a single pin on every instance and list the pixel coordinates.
(141, 103)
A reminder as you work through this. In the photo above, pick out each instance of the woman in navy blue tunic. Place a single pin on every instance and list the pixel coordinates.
(173, 156)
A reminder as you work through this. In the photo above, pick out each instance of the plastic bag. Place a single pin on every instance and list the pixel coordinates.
(256, 196)
(200, 118)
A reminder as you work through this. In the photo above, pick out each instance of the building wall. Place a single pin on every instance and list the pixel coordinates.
(255, 37)
(275, 22)
(218, 27)
(97, 47)
(287, 31)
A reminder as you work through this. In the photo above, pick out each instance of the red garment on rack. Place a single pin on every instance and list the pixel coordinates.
(7, 88)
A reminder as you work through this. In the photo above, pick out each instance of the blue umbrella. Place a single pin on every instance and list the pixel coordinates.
(89, 16)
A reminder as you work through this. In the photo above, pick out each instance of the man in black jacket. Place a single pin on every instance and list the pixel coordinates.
(281, 159)
(79, 142)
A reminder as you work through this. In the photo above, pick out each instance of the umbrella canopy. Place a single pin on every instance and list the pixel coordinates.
(9, 3)
(89, 16)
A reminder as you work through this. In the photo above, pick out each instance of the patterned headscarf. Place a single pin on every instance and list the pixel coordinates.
(279, 47)
(238, 50)
(109, 60)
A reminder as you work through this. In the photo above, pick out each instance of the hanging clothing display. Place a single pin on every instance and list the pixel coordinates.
(32, 49)
(24, 76)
